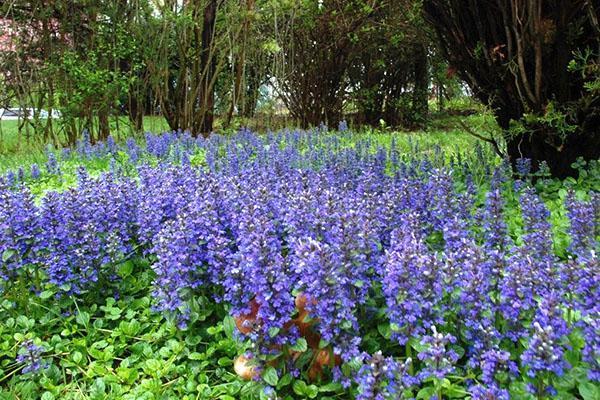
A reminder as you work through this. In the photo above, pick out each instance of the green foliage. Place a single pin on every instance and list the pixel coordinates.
(553, 120)
(117, 348)
(585, 63)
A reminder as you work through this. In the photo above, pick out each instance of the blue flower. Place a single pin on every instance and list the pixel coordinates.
(383, 378)
(439, 360)
(30, 355)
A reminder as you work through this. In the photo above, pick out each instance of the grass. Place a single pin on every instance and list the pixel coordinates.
(443, 130)
(17, 150)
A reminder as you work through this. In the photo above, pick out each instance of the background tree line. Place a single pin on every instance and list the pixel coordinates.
(534, 63)
(191, 60)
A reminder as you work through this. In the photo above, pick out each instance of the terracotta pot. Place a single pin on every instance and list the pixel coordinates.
(247, 322)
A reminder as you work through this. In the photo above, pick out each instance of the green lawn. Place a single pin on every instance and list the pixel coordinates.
(16, 149)
(443, 131)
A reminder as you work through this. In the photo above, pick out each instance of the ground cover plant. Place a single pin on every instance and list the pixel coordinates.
(296, 265)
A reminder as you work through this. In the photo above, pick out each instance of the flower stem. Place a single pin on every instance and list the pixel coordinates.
(411, 368)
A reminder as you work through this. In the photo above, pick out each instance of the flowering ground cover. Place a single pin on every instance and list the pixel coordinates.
(296, 265)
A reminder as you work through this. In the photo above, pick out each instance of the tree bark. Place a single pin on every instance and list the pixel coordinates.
(420, 106)
(240, 62)
(103, 126)
(207, 62)
(252, 87)
(515, 56)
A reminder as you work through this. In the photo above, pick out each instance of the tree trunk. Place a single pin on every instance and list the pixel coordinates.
(103, 126)
(251, 97)
(420, 106)
(135, 110)
(207, 62)
(237, 95)
(515, 56)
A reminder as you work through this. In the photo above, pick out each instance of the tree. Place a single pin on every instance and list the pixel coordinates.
(389, 74)
(96, 60)
(535, 63)
(320, 43)
(188, 52)
(80, 57)
(239, 65)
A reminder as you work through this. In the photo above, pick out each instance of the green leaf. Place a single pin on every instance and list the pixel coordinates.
(299, 387)
(125, 269)
(576, 339)
(197, 356)
(193, 340)
(129, 375)
(304, 359)
(213, 330)
(27, 323)
(229, 326)
(101, 344)
(77, 357)
(273, 331)
(130, 328)
(562, 395)
(572, 357)
(300, 345)
(312, 391)
(330, 387)
(270, 376)
(47, 396)
(153, 365)
(426, 393)
(455, 391)
(46, 294)
(83, 318)
(347, 325)
(384, 330)
(224, 361)
(8, 254)
(65, 287)
(99, 386)
(285, 380)
(589, 391)
(416, 344)
(580, 373)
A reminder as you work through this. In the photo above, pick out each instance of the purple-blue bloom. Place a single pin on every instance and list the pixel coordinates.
(412, 284)
(545, 352)
(30, 355)
(439, 360)
(383, 378)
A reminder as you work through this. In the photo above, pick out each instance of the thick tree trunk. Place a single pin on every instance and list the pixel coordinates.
(252, 88)
(420, 106)
(207, 62)
(515, 56)
(103, 127)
